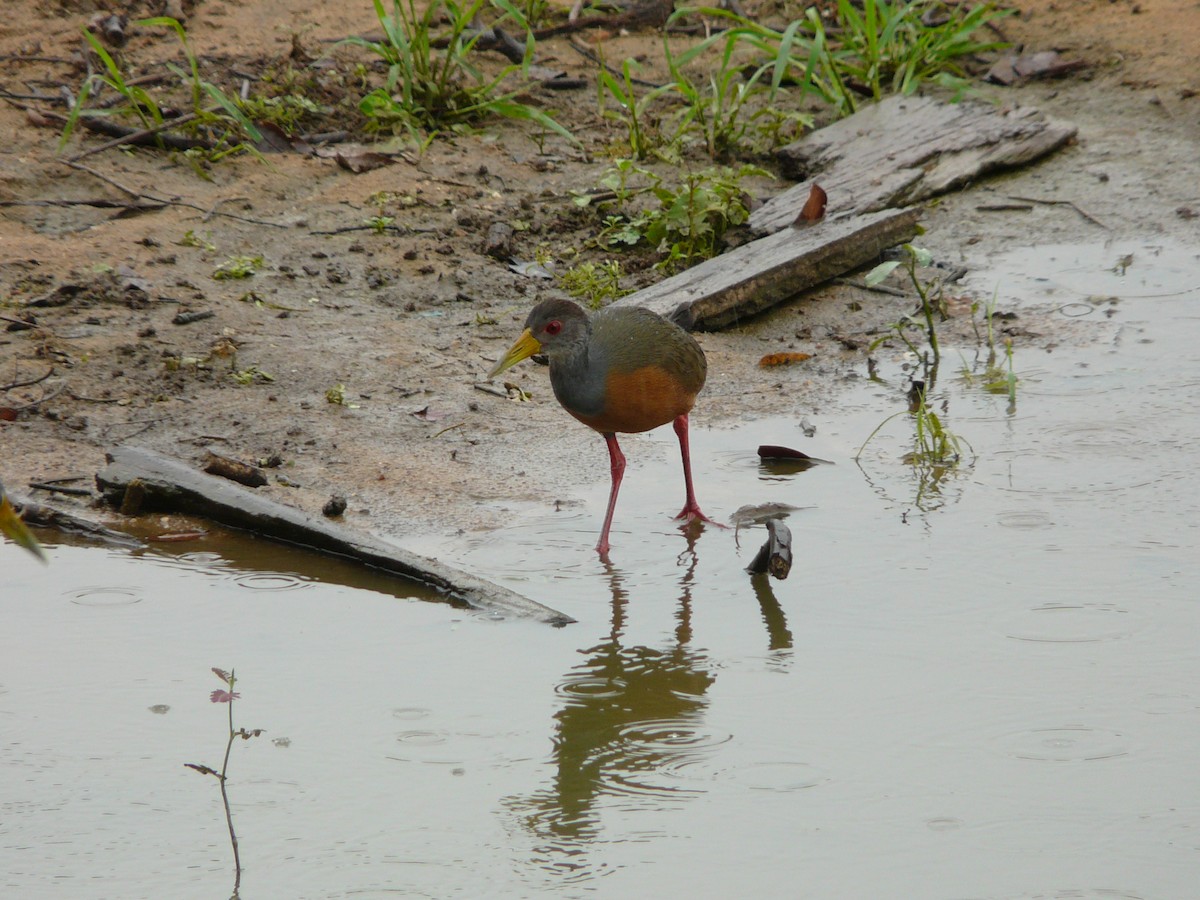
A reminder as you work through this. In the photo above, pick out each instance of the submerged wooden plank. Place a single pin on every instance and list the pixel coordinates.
(906, 149)
(892, 154)
(165, 483)
(760, 274)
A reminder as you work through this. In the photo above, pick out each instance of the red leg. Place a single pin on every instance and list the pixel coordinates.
(617, 463)
(691, 509)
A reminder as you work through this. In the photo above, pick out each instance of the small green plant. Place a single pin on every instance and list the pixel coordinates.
(535, 12)
(886, 46)
(227, 696)
(432, 82)
(237, 267)
(734, 110)
(223, 124)
(252, 375)
(1010, 379)
(936, 453)
(936, 450)
(286, 111)
(139, 101)
(643, 135)
(684, 222)
(873, 47)
(996, 378)
(933, 443)
(336, 396)
(596, 284)
(930, 293)
(191, 239)
(380, 224)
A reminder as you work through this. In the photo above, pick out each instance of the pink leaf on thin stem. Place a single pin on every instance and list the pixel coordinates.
(224, 696)
(222, 674)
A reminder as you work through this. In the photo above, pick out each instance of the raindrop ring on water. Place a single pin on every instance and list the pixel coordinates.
(105, 596)
(272, 581)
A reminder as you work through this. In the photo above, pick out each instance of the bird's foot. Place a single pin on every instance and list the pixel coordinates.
(693, 514)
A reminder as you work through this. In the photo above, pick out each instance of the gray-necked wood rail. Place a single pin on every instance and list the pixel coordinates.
(13, 528)
(623, 369)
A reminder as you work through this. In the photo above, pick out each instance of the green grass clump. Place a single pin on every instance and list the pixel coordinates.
(432, 80)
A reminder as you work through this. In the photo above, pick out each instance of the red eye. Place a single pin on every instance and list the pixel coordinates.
(553, 328)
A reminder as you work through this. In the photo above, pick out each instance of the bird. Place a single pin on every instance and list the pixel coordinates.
(13, 528)
(620, 370)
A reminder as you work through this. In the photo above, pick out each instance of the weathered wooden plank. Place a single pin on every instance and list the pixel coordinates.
(907, 149)
(892, 154)
(760, 274)
(165, 483)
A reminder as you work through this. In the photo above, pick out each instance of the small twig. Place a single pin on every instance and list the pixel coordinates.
(325, 137)
(589, 55)
(212, 211)
(134, 137)
(120, 187)
(165, 200)
(17, 384)
(59, 489)
(20, 57)
(44, 399)
(42, 98)
(99, 203)
(448, 428)
(81, 397)
(1069, 203)
(398, 229)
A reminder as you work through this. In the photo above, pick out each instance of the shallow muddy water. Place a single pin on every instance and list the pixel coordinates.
(986, 686)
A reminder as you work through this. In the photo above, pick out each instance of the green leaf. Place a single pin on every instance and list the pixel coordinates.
(880, 272)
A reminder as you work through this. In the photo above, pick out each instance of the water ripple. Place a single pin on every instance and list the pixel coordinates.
(105, 596)
(411, 712)
(673, 737)
(778, 777)
(1070, 743)
(1064, 623)
(272, 581)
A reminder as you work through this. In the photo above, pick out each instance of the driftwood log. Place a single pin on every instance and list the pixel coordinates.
(146, 480)
(41, 515)
(871, 165)
(768, 271)
(907, 149)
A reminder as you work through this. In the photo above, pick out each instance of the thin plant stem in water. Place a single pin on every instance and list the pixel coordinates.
(228, 696)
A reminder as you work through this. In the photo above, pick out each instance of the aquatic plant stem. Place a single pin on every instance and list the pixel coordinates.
(233, 841)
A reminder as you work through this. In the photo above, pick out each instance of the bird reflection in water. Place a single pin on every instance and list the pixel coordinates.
(631, 729)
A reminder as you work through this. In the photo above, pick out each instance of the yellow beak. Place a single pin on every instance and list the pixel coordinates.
(12, 526)
(523, 348)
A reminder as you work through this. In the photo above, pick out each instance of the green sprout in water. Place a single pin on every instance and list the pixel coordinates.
(997, 378)
(931, 297)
